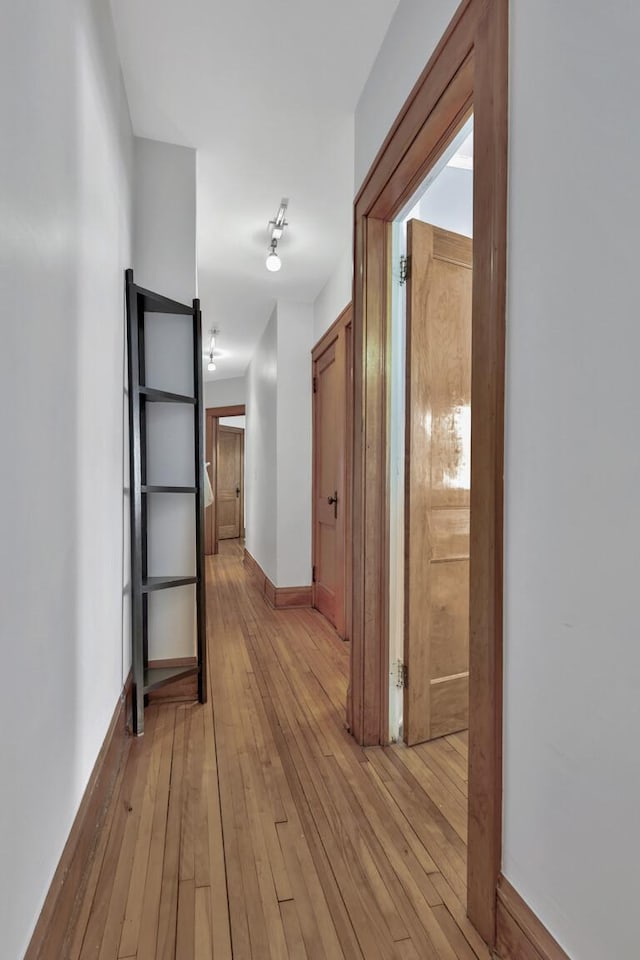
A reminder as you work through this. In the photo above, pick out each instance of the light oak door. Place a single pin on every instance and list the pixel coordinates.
(229, 487)
(437, 482)
(330, 369)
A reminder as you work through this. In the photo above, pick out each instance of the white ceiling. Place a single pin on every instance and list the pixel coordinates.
(266, 91)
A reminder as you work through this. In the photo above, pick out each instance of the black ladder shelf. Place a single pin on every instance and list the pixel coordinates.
(145, 678)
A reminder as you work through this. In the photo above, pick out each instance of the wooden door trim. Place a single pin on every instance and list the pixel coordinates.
(341, 322)
(521, 934)
(341, 325)
(468, 71)
(239, 431)
(234, 410)
(211, 445)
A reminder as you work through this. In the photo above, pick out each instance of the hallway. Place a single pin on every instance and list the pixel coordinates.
(257, 821)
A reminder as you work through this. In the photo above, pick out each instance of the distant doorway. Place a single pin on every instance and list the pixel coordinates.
(229, 493)
(224, 518)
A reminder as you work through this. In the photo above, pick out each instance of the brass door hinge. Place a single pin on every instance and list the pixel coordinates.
(402, 675)
(404, 270)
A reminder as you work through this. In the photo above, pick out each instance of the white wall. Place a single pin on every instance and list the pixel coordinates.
(449, 202)
(572, 660)
(412, 36)
(572, 719)
(278, 447)
(225, 393)
(295, 340)
(65, 196)
(165, 261)
(165, 219)
(335, 295)
(260, 451)
(238, 422)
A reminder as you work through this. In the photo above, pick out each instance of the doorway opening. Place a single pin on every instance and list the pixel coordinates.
(224, 444)
(467, 74)
(430, 451)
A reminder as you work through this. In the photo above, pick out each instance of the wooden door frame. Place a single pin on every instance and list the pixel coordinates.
(211, 446)
(240, 432)
(343, 324)
(467, 72)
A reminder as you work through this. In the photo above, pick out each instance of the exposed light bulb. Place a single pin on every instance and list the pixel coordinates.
(211, 366)
(273, 262)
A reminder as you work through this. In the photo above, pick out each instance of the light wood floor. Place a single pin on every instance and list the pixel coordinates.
(255, 827)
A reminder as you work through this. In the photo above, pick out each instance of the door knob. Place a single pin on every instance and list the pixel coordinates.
(334, 500)
(237, 491)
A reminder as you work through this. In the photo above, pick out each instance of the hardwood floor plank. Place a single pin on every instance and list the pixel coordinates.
(121, 884)
(248, 931)
(448, 765)
(117, 848)
(186, 919)
(218, 909)
(253, 827)
(451, 805)
(295, 941)
(324, 926)
(168, 912)
(73, 938)
(458, 911)
(253, 785)
(335, 842)
(460, 947)
(410, 800)
(203, 947)
(149, 918)
(133, 909)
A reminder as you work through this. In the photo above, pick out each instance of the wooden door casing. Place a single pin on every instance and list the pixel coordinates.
(331, 491)
(211, 447)
(229, 482)
(468, 70)
(437, 482)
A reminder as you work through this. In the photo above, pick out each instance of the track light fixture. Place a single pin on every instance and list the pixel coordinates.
(276, 229)
(273, 261)
(212, 351)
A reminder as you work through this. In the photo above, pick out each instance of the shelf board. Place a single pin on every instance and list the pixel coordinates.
(151, 395)
(160, 488)
(155, 677)
(164, 583)
(156, 303)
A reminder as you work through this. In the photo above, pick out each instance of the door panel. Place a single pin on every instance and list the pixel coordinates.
(229, 492)
(437, 482)
(329, 478)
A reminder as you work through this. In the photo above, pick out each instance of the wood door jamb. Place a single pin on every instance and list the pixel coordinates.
(468, 70)
(213, 415)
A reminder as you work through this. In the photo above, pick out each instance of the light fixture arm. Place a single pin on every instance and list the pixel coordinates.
(276, 229)
(277, 225)
(211, 366)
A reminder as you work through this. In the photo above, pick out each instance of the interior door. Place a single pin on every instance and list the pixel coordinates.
(330, 368)
(229, 492)
(437, 482)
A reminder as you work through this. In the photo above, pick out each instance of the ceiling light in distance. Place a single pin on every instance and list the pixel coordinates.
(211, 366)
